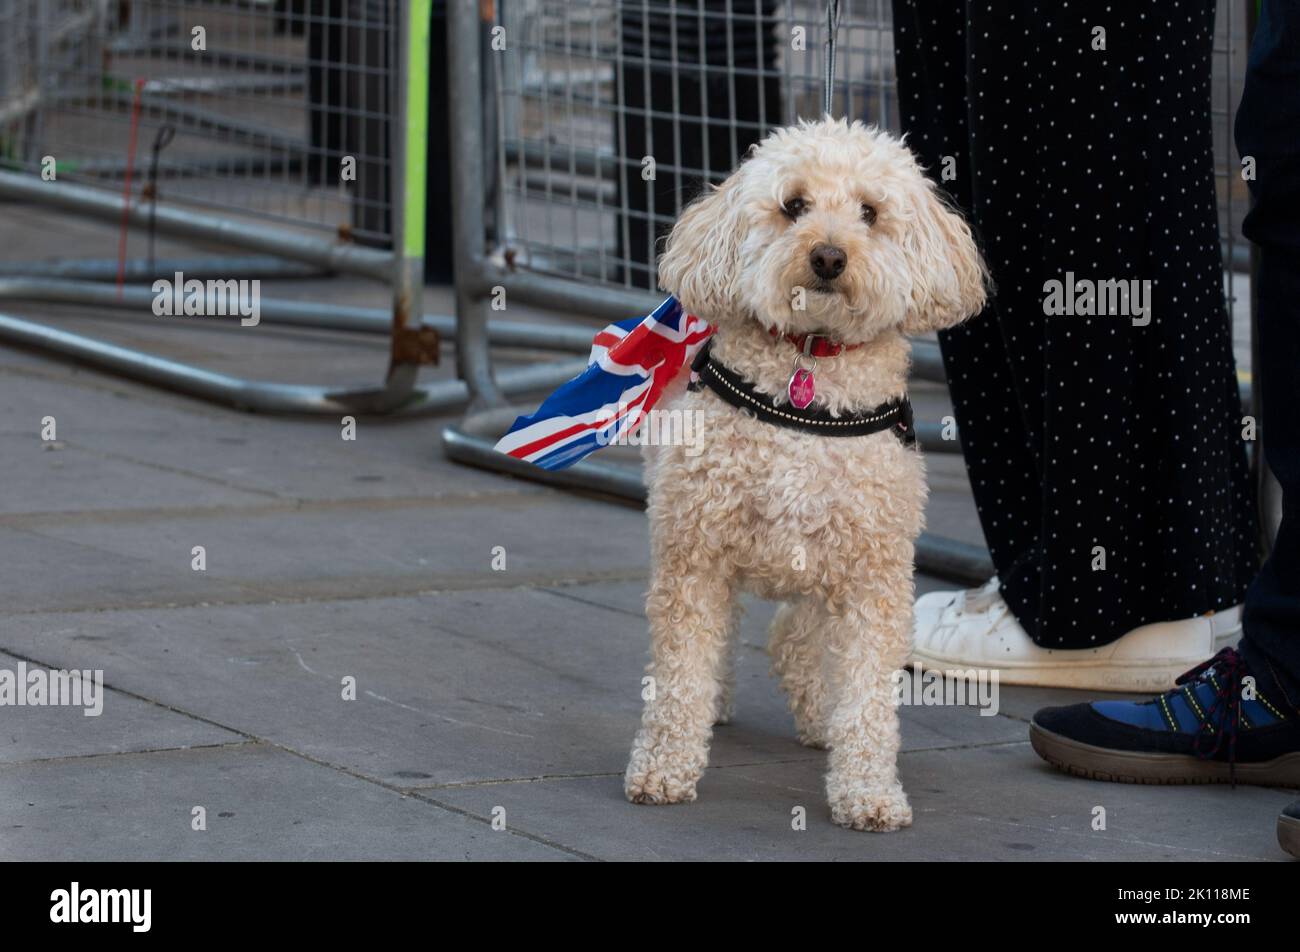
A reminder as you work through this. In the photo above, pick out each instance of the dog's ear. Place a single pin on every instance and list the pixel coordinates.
(950, 280)
(701, 262)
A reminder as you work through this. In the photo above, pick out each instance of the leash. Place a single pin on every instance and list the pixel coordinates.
(802, 388)
(832, 27)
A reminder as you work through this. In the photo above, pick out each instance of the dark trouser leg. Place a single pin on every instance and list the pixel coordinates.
(1268, 131)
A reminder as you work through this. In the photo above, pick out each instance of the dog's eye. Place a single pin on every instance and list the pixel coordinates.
(868, 214)
(794, 208)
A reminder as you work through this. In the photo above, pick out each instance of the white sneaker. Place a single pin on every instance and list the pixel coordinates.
(975, 629)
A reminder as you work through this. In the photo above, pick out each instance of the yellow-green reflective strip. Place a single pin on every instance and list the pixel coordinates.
(417, 128)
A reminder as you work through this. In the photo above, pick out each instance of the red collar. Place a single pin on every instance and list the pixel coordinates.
(816, 344)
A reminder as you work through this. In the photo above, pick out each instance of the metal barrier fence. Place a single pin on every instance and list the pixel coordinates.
(584, 96)
(293, 128)
(580, 131)
(244, 108)
(588, 98)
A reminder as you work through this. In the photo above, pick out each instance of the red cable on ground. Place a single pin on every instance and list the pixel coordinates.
(126, 189)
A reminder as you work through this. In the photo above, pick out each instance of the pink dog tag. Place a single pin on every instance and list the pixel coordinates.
(802, 388)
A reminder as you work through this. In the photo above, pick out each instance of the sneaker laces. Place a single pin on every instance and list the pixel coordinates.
(982, 598)
(1223, 716)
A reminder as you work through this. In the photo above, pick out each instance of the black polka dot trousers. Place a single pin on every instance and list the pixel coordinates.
(1096, 397)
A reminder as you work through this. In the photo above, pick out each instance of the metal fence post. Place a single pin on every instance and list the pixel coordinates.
(465, 84)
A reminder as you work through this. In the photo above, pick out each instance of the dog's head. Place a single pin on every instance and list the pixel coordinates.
(831, 228)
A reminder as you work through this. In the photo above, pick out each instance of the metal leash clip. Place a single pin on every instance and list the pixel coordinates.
(802, 387)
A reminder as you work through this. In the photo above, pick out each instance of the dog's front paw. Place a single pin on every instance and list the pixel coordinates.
(878, 809)
(657, 789)
(658, 779)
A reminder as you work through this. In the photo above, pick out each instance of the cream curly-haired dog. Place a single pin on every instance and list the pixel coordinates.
(827, 229)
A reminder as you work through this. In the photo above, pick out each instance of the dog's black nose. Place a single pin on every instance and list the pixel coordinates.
(827, 262)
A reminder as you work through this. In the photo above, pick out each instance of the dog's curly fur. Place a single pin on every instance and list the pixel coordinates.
(825, 524)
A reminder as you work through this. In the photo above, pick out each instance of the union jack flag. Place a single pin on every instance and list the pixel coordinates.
(631, 363)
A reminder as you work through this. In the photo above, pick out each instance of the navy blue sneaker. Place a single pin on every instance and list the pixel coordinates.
(1218, 726)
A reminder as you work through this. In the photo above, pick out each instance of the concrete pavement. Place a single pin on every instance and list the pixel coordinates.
(479, 694)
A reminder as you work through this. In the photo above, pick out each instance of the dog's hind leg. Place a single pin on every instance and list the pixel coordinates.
(690, 613)
(796, 645)
(870, 639)
(725, 709)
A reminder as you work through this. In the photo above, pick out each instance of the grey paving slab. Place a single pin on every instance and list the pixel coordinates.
(46, 477)
(260, 803)
(992, 803)
(456, 687)
(146, 447)
(46, 574)
(123, 724)
(923, 726)
(329, 551)
(453, 687)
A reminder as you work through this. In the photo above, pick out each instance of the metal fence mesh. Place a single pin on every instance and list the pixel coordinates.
(244, 106)
(584, 93)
